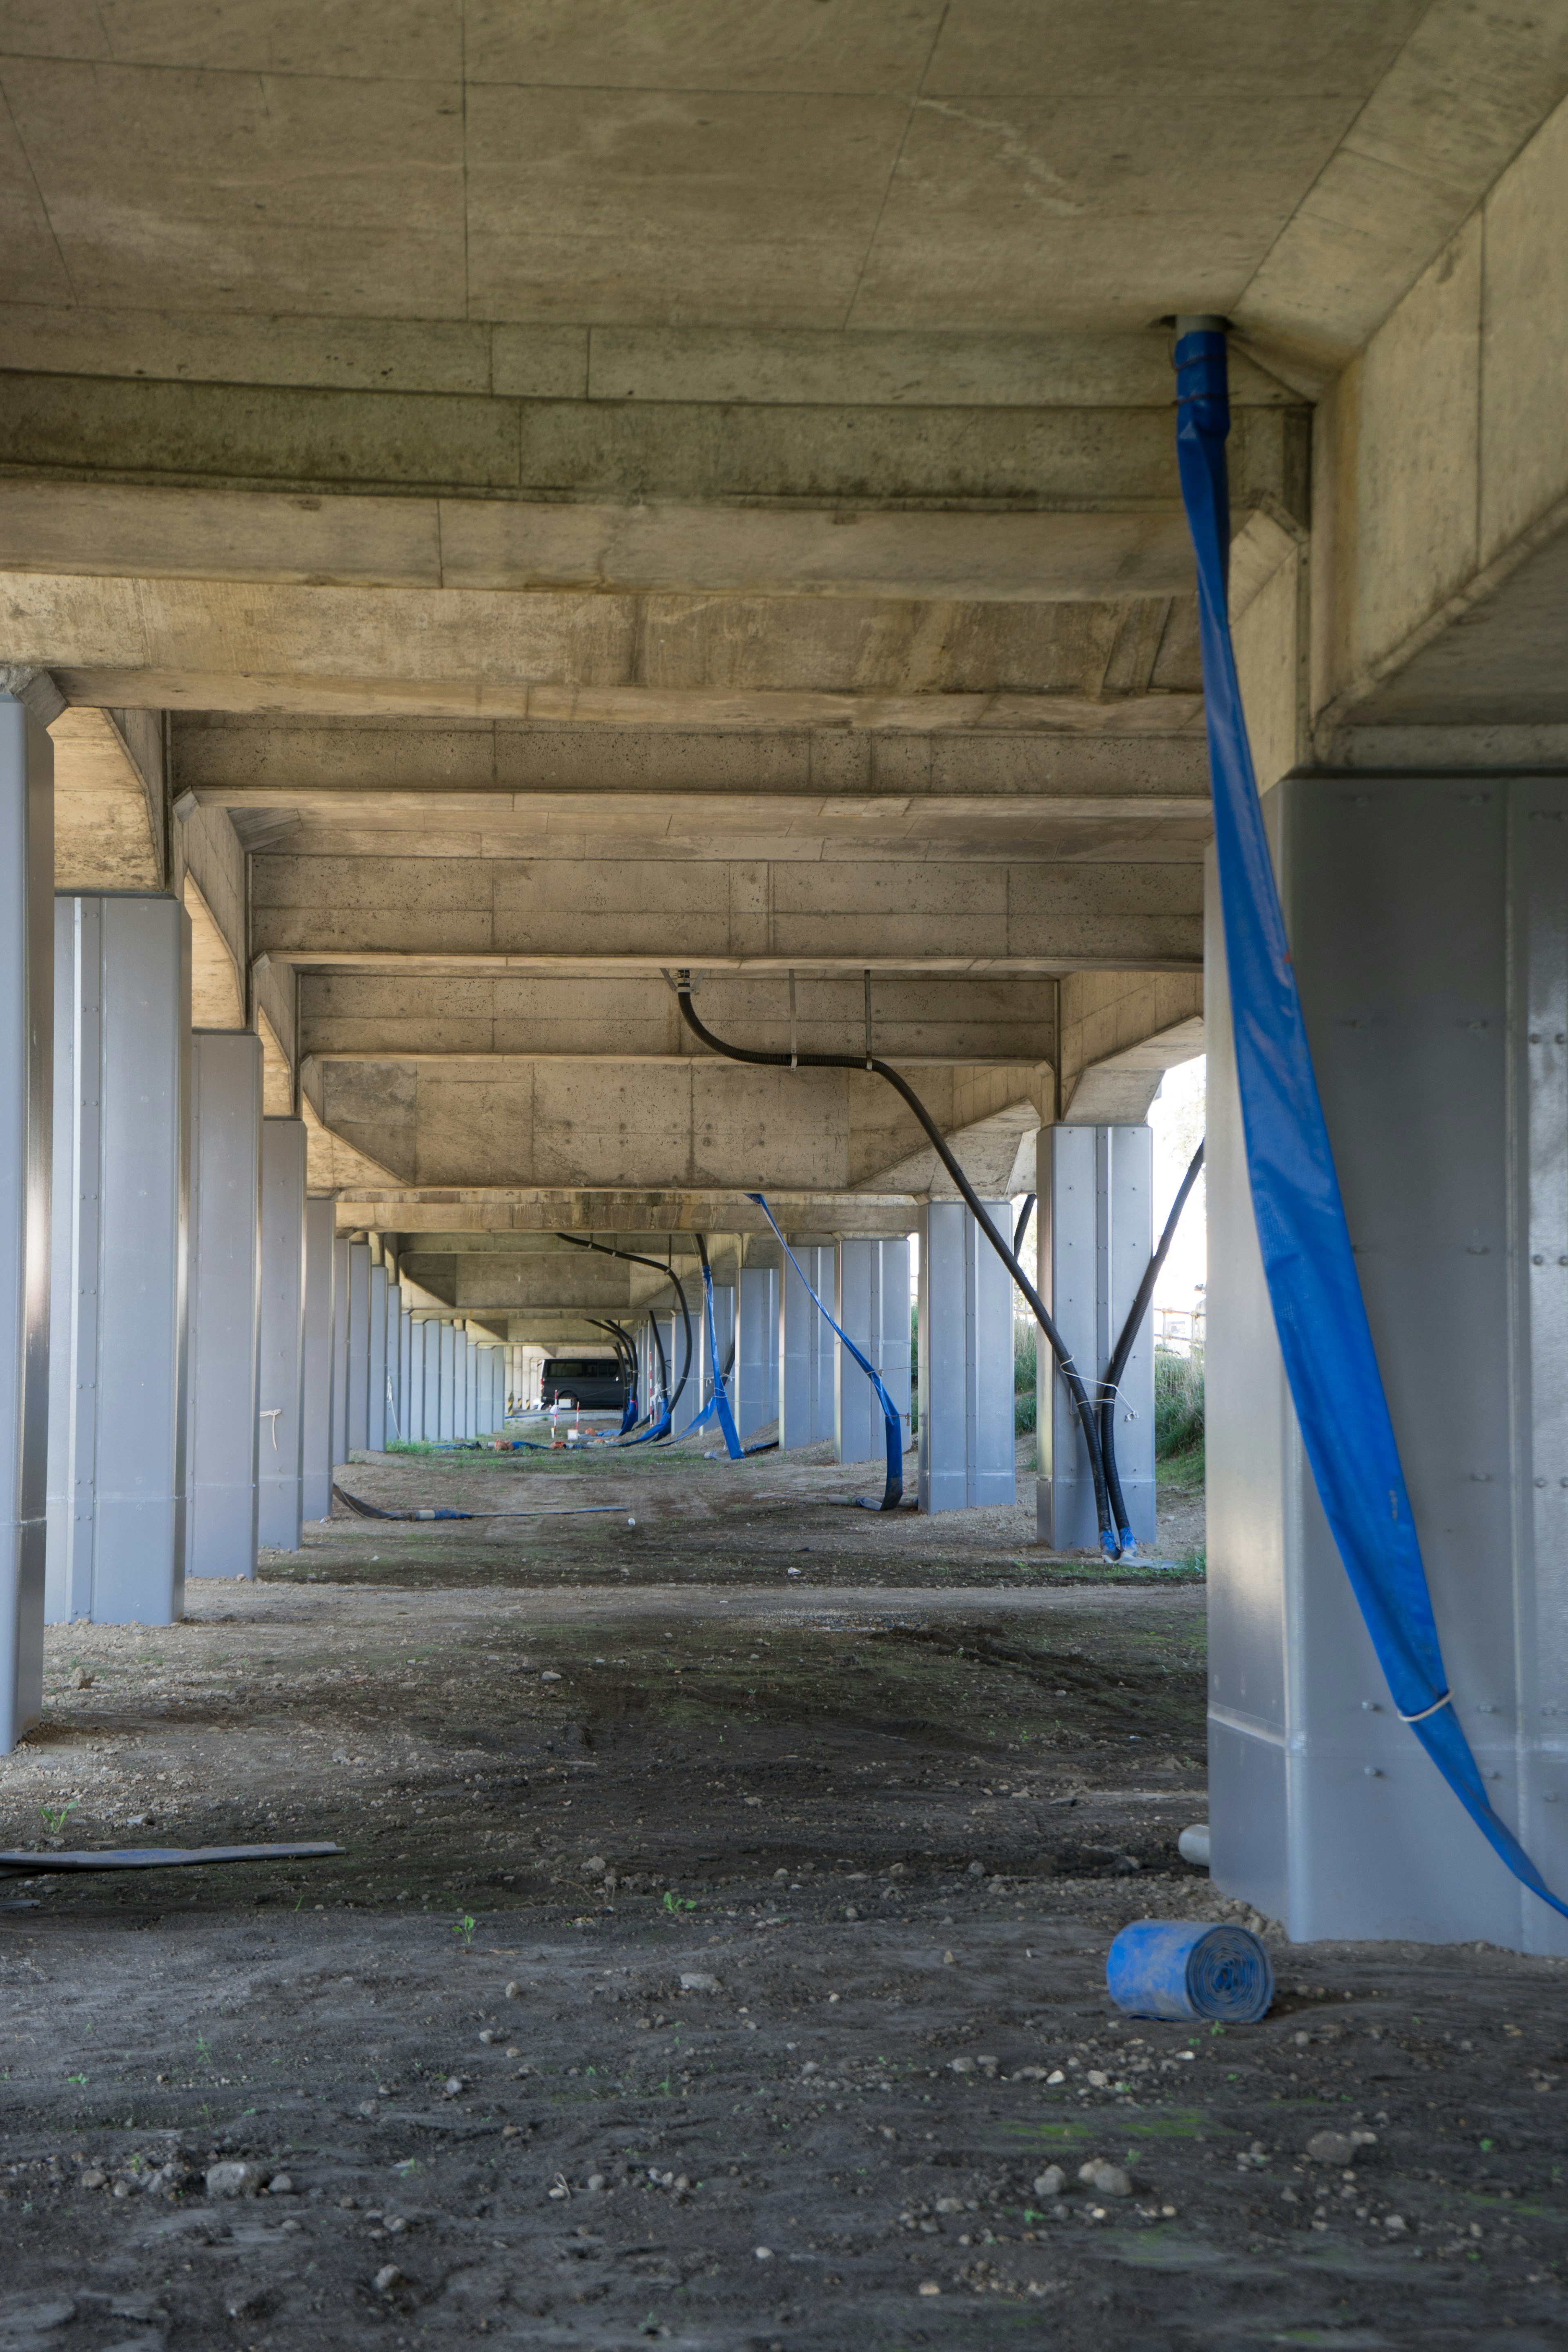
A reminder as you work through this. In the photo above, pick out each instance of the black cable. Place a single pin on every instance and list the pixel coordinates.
(1109, 1388)
(1022, 1227)
(633, 1258)
(1082, 1404)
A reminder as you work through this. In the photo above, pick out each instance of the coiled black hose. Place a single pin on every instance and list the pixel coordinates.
(1082, 1404)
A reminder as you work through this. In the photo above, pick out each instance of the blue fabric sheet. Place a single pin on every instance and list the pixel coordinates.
(1318, 1313)
(894, 1427)
(718, 1405)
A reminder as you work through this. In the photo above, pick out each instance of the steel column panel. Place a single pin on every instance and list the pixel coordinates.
(339, 1427)
(282, 1455)
(224, 1302)
(358, 1431)
(1428, 920)
(1094, 1233)
(966, 1443)
(798, 1351)
(27, 1083)
(122, 1043)
(316, 1497)
(375, 1383)
(757, 1348)
(446, 1425)
(872, 1280)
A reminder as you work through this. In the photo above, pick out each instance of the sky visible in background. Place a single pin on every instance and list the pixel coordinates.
(1178, 1120)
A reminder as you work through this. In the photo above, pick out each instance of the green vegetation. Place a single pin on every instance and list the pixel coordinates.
(1024, 1361)
(1178, 1401)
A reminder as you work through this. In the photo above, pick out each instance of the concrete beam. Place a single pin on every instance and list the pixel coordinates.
(493, 1282)
(852, 913)
(658, 1216)
(688, 660)
(1121, 1033)
(109, 801)
(1440, 556)
(615, 453)
(689, 1125)
(558, 775)
(356, 1016)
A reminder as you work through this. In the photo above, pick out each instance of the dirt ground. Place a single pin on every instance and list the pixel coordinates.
(716, 1956)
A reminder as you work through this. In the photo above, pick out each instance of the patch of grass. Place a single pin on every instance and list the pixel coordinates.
(1023, 1377)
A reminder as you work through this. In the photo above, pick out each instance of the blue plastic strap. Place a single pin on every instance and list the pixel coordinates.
(1324, 1336)
(895, 1428)
(718, 1404)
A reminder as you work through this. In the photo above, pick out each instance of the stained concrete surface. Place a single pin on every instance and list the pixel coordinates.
(883, 1822)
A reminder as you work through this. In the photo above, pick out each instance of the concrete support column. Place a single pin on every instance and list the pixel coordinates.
(1428, 922)
(119, 1311)
(400, 1320)
(824, 1273)
(872, 1304)
(339, 1427)
(800, 1355)
(756, 1348)
(357, 1432)
(413, 1383)
(225, 1303)
(26, 1081)
(283, 1453)
(463, 1384)
(446, 1384)
(1094, 1229)
(375, 1378)
(316, 1500)
(966, 1444)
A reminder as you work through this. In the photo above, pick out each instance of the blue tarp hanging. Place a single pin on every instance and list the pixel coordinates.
(1324, 1336)
(718, 1405)
(892, 1494)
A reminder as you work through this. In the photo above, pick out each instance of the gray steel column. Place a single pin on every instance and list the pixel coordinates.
(224, 1300)
(821, 1268)
(319, 1225)
(357, 1432)
(798, 1320)
(404, 1322)
(282, 1454)
(471, 1384)
(340, 1425)
(485, 1389)
(872, 1290)
(1428, 923)
(757, 1347)
(447, 1424)
(123, 1055)
(376, 1379)
(26, 1081)
(691, 1399)
(966, 1444)
(729, 1350)
(430, 1407)
(1094, 1229)
(414, 1384)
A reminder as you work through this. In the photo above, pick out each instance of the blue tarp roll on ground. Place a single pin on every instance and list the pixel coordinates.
(1184, 1971)
(1324, 1336)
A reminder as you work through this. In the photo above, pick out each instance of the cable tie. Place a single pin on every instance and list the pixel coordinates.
(1421, 1713)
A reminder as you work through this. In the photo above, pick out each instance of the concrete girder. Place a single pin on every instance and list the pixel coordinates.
(685, 1125)
(509, 766)
(691, 912)
(490, 1282)
(110, 800)
(916, 1019)
(681, 458)
(604, 1212)
(688, 659)
(1120, 1032)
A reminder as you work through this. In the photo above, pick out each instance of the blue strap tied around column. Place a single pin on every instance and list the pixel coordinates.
(893, 1493)
(1324, 1336)
(718, 1404)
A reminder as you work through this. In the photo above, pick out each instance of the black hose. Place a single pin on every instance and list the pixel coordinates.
(1110, 1387)
(1082, 1402)
(633, 1258)
(1022, 1227)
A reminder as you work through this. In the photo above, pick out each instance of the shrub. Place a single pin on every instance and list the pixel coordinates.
(1178, 1400)
(1024, 1361)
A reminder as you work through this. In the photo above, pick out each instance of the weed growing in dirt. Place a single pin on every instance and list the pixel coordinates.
(465, 1927)
(55, 1817)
